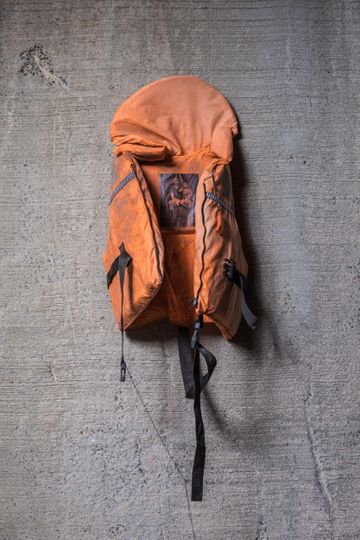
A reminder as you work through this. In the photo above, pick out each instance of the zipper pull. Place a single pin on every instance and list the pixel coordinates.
(122, 369)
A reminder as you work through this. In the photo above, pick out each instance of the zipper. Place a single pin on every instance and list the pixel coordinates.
(220, 202)
(118, 188)
(121, 185)
(196, 299)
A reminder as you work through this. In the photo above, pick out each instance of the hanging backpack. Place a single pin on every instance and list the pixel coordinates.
(174, 249)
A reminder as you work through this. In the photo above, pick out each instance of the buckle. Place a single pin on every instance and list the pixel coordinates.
(197, 327)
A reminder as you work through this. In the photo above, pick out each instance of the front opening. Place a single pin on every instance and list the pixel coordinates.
(172, 184)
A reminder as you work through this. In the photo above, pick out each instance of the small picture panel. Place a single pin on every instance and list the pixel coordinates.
(177, 194)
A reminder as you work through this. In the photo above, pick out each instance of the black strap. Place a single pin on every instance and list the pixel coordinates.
(111, 273)
(186, 362)
(200, 452)
(119, 265)
(123, 261)
(248, 315)
(194, 384)
(234, 275)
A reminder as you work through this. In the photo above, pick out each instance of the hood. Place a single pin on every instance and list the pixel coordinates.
(174, 116)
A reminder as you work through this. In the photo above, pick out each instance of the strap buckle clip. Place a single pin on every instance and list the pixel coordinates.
(197, 328)
(122, 369)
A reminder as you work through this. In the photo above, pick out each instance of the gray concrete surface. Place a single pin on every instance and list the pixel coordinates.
(83, 457)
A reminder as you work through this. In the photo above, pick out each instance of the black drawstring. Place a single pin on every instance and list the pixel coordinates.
(124, 260)
(119, 265)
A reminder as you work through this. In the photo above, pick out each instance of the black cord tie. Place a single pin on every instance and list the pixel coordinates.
(119, 265)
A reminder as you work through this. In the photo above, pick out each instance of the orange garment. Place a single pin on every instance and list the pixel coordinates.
(172, 206)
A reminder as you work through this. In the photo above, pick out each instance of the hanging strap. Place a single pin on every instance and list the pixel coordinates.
(119, 265)
(248, 315)
(234, 275)
(200, 452)
(186, 362)
(190, 352)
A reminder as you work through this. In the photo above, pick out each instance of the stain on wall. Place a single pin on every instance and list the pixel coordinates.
(36, 61)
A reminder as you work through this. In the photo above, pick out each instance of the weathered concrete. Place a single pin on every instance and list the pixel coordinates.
(82, 456)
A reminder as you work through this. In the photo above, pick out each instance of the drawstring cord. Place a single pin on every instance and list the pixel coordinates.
(123, 261)
(122, 363)
(119, 265)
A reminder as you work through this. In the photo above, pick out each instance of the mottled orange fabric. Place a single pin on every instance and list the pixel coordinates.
(167, 135)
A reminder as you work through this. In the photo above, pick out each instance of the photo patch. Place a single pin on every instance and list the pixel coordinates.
(177, 195)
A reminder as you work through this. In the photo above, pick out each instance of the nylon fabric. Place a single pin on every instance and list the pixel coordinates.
(177, 128)
(186, 362)
(200, 452)
(193, 385)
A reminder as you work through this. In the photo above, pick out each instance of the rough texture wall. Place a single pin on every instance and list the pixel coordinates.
(85, 457)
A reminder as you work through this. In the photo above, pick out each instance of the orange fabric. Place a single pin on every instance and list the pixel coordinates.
(175, 130)
(177, 115)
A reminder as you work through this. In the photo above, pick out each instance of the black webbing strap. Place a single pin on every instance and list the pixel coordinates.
(232, 273)
(111, 273)
(248, 315)
(194, 384)
(119, 265)
(200, 452)
(186, 362)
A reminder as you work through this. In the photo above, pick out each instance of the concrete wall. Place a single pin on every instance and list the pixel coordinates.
(83, 457)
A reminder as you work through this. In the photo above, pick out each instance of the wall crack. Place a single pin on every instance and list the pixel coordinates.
(320, 475)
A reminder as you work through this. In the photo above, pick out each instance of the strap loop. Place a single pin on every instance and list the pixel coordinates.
(186, 362)
(190, 354)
